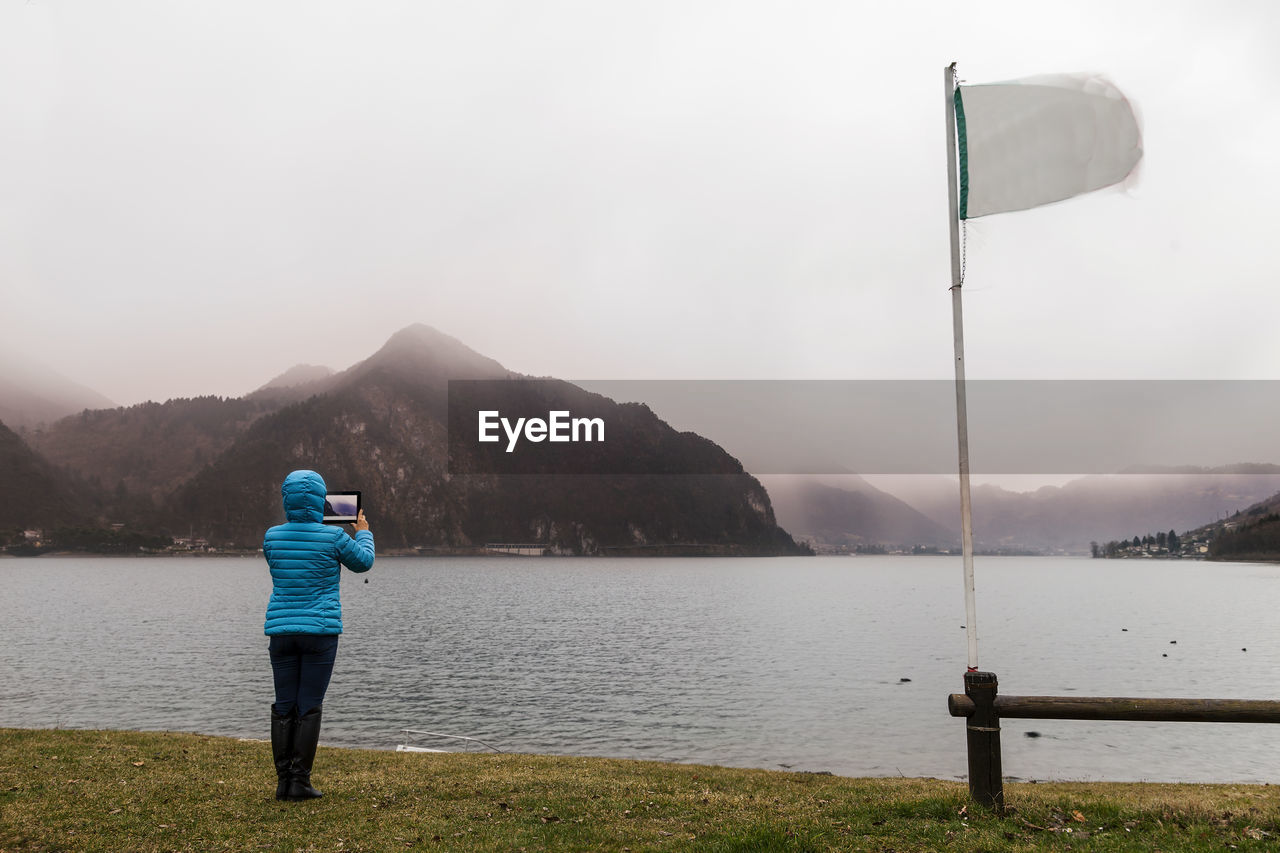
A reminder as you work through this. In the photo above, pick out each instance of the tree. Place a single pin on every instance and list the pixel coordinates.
(1137, 543)
(1094, 550)
(1160, 539)
(1175, 545)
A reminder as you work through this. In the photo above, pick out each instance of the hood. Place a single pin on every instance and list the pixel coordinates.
(303, 493)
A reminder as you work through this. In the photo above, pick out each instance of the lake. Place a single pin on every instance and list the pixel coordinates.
(798, 663)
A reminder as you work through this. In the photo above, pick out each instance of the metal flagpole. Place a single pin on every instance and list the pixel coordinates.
(962, 415)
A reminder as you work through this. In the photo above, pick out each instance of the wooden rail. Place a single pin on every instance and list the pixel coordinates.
(1117, 708)
(983, 707)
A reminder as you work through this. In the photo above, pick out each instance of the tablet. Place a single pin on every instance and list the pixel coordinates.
(341, 507)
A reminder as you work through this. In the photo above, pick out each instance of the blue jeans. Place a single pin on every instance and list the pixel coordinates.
(302, 665)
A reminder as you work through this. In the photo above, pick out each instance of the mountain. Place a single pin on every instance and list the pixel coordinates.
(848, 512)
(382, 426)
(299, 374)
(1251, 534)
(35, 494)
(425, 357)
(149, 449)
(32, 394)
(1093, 508)
(213, 466)
(379, 426)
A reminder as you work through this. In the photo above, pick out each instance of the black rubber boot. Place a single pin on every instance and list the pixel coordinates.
(305, 739)
(283, 728)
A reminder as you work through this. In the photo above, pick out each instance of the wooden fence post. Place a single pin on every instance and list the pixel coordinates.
(986, 784)
(983, 709)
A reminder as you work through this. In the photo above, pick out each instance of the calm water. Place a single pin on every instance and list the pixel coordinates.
(760, 663)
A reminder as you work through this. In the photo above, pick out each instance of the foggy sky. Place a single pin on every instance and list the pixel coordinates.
(194, 197)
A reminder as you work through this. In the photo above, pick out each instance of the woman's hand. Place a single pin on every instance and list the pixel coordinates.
(361, 522)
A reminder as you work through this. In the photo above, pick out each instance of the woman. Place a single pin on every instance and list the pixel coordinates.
(304, 619)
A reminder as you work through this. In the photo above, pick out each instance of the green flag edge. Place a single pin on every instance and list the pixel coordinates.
(962, 147)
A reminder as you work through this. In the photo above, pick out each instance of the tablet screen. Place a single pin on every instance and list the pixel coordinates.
(341, 507)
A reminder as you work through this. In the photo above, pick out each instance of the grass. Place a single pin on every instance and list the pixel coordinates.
(75, 790)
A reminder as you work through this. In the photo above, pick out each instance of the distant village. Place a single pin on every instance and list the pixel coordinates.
(1167, 546)
(1193, 545)
(111, 539)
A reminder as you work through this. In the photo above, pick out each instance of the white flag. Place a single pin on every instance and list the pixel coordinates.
(1030, 142)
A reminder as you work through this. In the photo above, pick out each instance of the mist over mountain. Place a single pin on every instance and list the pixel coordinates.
(32, 394)
(213, 466)
(1093, 508)
(148, 449)
(847, 511)
(299, 374)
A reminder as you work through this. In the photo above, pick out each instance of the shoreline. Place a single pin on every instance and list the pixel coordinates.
(674, 551)
(961, 780)
(398, 553)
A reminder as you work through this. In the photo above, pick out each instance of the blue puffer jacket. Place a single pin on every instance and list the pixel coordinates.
(304, 555)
